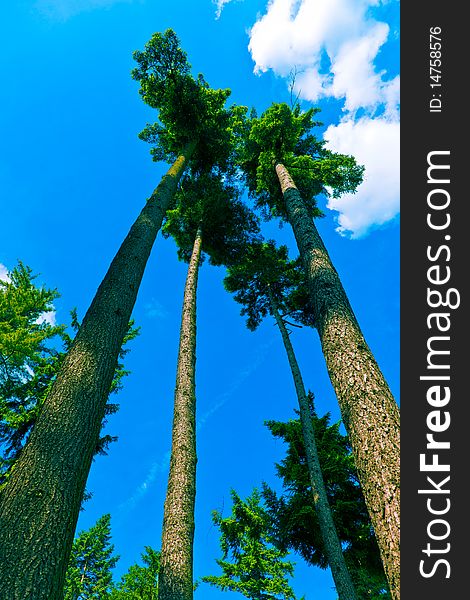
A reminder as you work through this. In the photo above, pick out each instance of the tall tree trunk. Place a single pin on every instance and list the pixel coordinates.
(40, 503)
(333, 550)
(369, 411)
(175, 580)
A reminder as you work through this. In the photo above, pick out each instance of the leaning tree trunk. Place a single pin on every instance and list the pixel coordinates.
(40, 503)
(175, 580)
(369, 411)
(334, 553)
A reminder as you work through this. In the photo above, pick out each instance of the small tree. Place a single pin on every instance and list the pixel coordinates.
(293, 512)
(140, 582)
(251, 564)
(89, 575)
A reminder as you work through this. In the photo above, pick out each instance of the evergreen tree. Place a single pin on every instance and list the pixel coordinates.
(280, 146)
(28, 358)
(209, 218)
(40, 503)
(295, 518)
(32, 349)
(251, 564)
(140, 582)
(89, 574)
(266, 282)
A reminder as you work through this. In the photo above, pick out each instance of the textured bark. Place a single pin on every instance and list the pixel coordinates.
(40, 504)
(334, 553)
(369, 411)
(175, 580)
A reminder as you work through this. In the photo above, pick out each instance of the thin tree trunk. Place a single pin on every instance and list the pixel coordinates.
(40, 503)
(333, 550)
(369, 411)
(175, 580)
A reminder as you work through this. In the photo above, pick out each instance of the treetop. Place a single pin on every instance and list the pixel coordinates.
(285, 135)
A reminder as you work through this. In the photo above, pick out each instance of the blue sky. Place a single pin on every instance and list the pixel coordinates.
(73, 176)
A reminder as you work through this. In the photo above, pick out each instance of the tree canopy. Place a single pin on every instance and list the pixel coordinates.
(284, 135)
(293, 513)
(264, 274)
(141, 581)
(250, 563)
(29, 357)
(32, 349)
(207, 202)
(189, 110)
(89, 574)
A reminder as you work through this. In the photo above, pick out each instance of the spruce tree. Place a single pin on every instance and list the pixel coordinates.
(293, 512)
(89, 574)
(28, 358)
(266, 282)
(280, 148)
(141, 581)
(251, 564)
(209, 219)
(40, 502)
(32, 349)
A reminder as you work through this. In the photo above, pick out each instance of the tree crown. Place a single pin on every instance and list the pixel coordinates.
(294, 518)
(251, 565)
(263, 278)
(284, 135)
(189, 110)
(92, 559)
(209, 203)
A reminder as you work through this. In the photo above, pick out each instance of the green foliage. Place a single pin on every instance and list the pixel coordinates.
(293, 513)
(285, 135)
(190, 111)
(251, 564)
(209, 203)
(89, 574)
(32, 350)
(263, 275)
(28, 358)
(140, 582)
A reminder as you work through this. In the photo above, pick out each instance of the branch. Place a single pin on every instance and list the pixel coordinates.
(292, 324)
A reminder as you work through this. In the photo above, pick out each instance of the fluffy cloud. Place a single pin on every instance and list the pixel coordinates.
(376, 144)
(332, 46)
(4, 273)
(47, 318)
(331, 43)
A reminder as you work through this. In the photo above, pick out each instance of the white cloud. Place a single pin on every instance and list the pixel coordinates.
(64, 9)
(332, 46)
(4, 274)
(376, 144)
(219, 6)
(47, 318)
(331, 43)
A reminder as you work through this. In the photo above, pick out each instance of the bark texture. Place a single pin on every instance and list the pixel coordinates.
(369, 411)
(175, 581)
(334, 553)
(40, 504)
